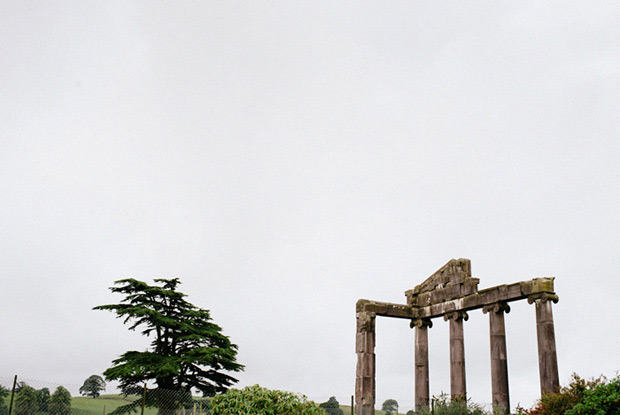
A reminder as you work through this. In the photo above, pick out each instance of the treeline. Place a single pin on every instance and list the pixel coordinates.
(31, 401)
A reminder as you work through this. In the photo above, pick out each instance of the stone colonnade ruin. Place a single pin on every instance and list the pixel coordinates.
(451, 293)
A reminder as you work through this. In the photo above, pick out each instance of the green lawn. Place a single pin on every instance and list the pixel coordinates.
(103, 404)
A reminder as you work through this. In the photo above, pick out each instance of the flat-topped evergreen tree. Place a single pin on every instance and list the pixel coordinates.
(188, 350)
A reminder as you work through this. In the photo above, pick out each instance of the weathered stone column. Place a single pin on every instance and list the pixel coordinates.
(422, 390)
(458, 388)
(499, 363)
(365, 372)
(547, 356)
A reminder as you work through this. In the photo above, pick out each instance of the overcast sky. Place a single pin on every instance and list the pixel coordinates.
(285, 159)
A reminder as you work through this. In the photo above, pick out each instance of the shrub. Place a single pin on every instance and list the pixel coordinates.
(255, 400)
(603, 399)
(444, 405)
(567, 397)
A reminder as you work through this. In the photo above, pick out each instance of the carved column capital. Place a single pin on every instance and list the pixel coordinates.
(456, 315)
(543, 297)
(366, 321)
(499, 307)
(421, 322)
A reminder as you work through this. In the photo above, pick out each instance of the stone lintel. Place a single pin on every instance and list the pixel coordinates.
(386, 309)
(537, 288)
(533, 289)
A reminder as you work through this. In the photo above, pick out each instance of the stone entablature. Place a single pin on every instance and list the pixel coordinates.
(450, 293)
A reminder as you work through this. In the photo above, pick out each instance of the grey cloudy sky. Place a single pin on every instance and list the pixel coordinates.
(287, 158)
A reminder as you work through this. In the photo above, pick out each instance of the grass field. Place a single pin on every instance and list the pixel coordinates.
(105, 404)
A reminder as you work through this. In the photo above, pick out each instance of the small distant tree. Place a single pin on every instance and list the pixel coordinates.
(332, 407)
(92, 386)
(410, 412)
(390, 406)
(26, 401)
(43, 399)
(60, 402)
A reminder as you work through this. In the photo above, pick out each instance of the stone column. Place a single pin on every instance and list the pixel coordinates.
(499, 363)
(365, 372)
(547, 356)
(422, 390)
(458, 388)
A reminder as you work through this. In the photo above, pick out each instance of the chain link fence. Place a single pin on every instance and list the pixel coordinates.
(34, 397)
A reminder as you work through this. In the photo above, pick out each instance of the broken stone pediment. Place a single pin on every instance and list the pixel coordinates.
(449, 282)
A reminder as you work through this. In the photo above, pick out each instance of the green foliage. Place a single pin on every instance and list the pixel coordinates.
(390, 406)
(92, 386)
(444, 405)
(410, 412)
(602, 399)
(60, 402)
(256, 400)
(566, 398)
(188, 350)
(332, 407)
(25, 401)
(4, 393)
(43, 399)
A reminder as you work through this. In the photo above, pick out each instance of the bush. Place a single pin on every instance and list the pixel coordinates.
(255, 400)
(567, 397)
(444, 405)
(603, 399)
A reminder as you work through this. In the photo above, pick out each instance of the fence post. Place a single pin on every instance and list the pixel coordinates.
(103, 409)
(143, 399)
(12, 395)
(352, 404)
